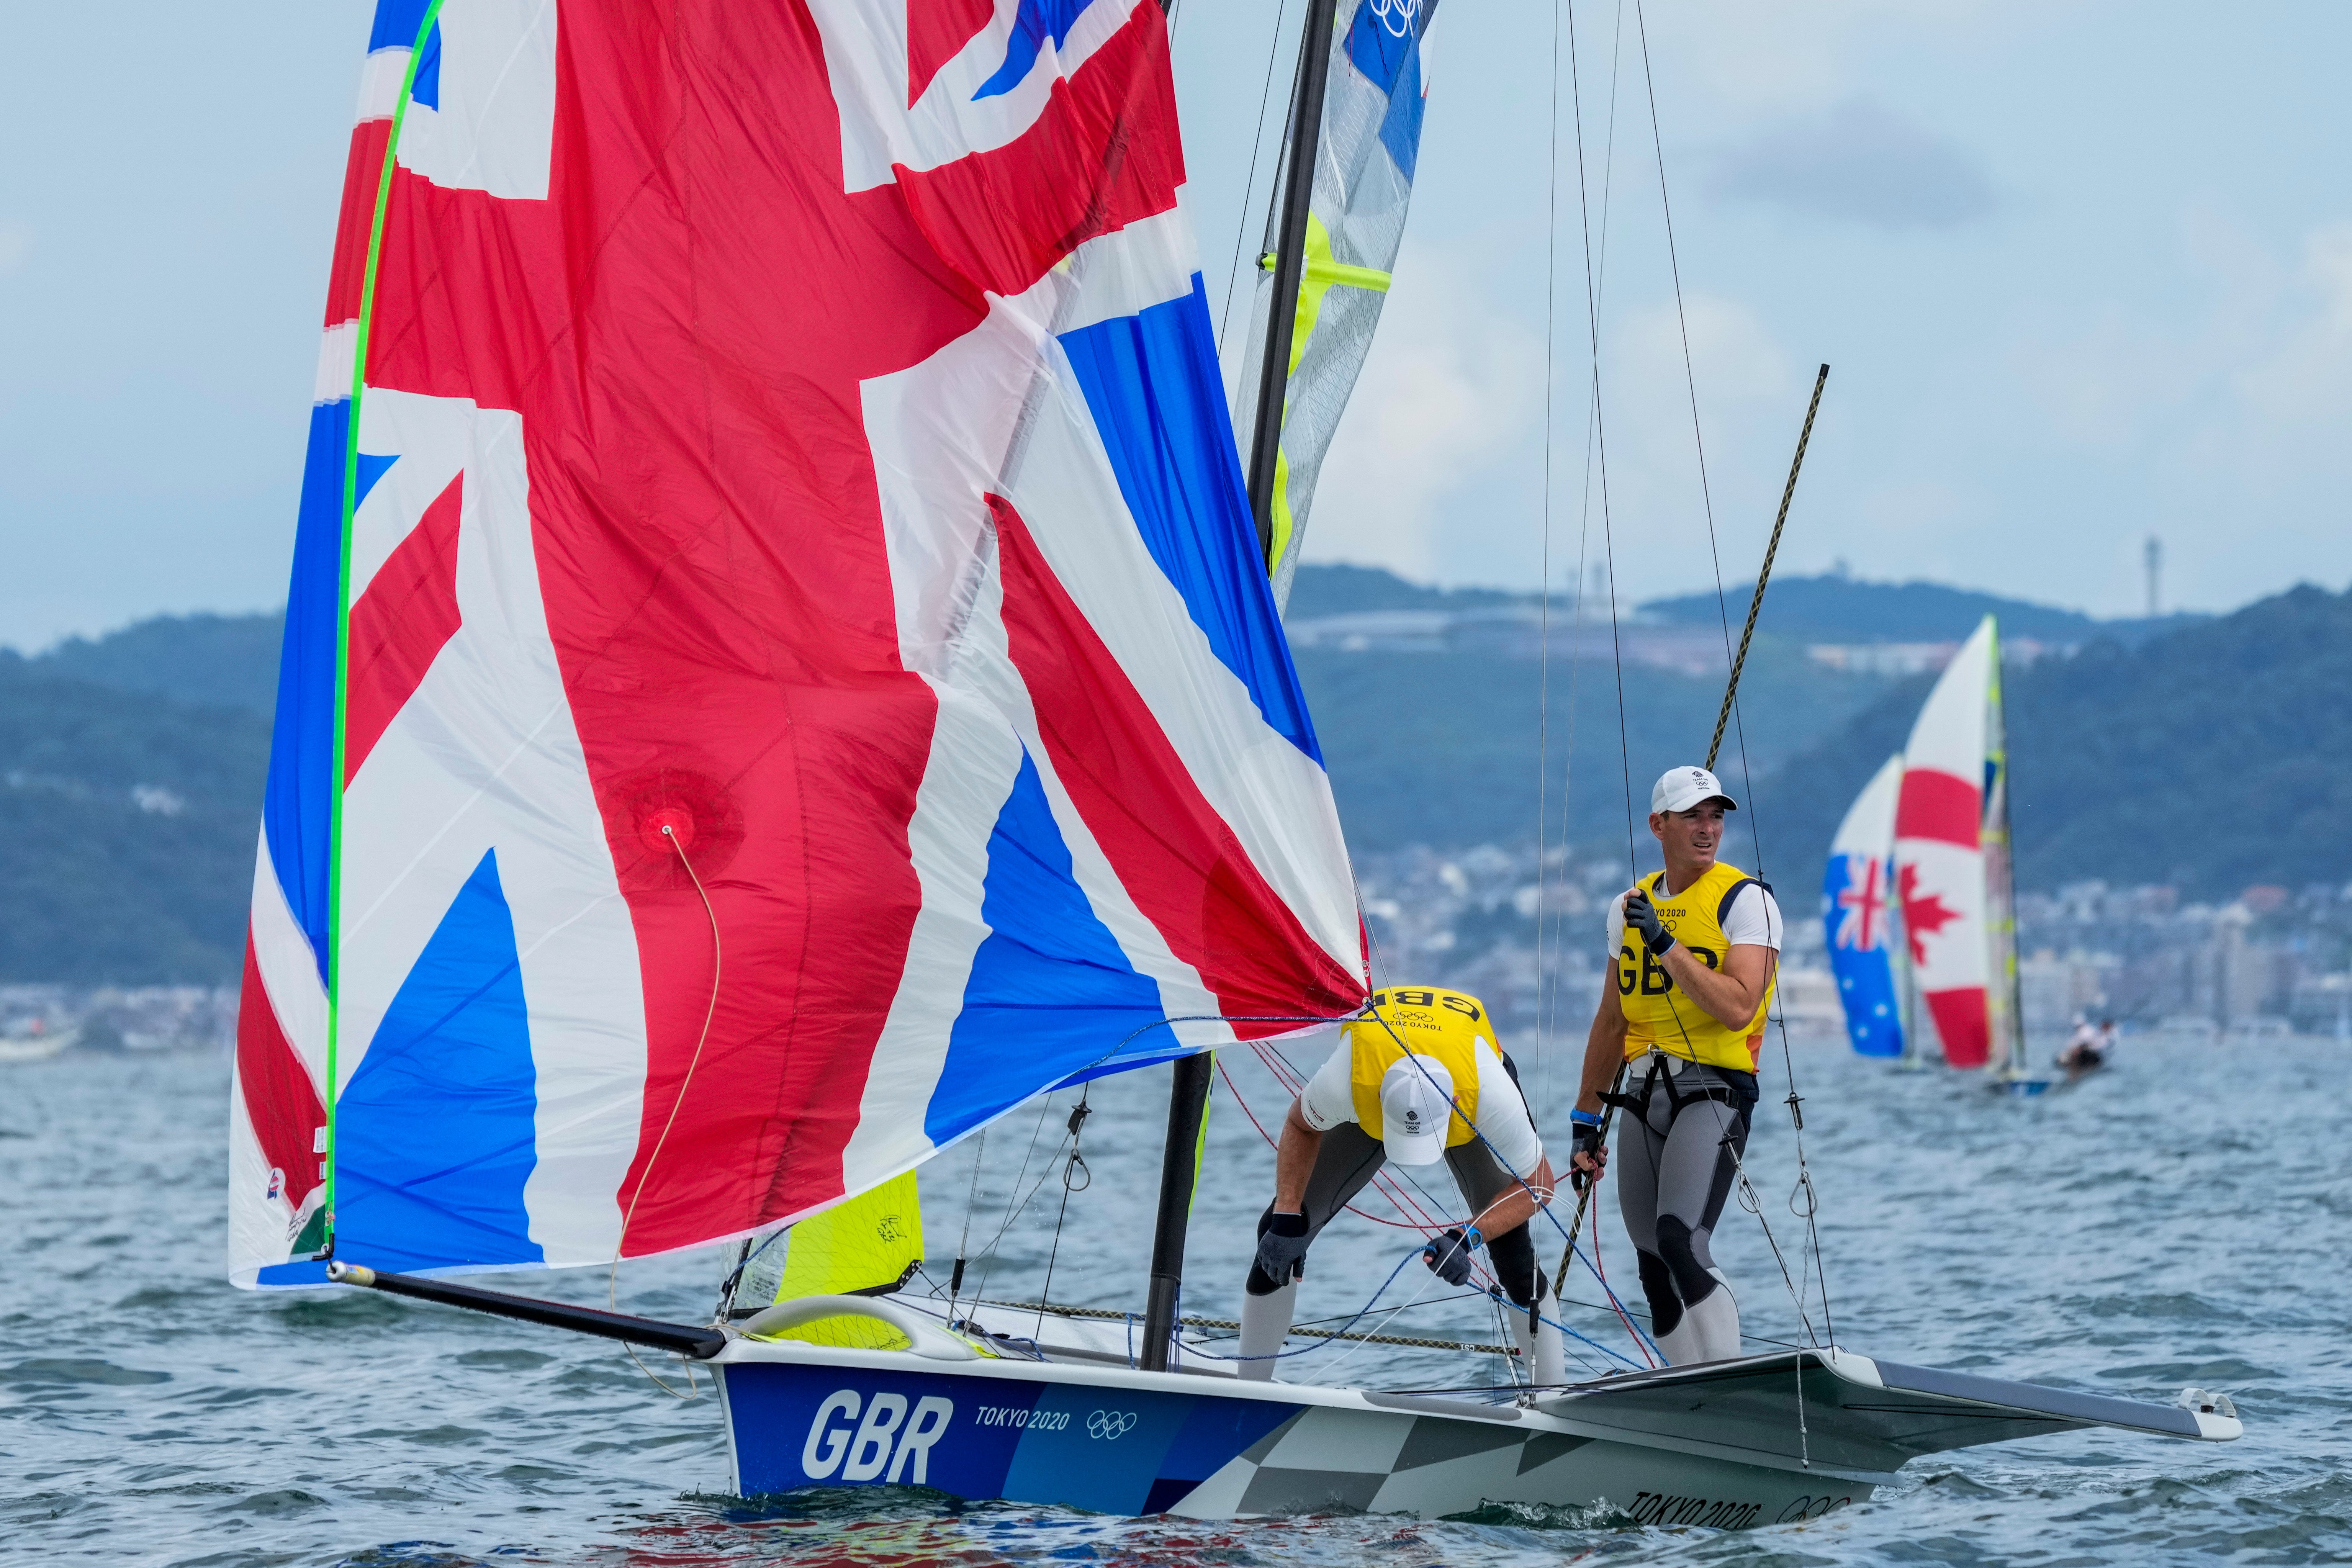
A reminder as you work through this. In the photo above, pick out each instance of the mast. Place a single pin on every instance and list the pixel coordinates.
(1290, 260)
(2003, 987)
(1188, 1094)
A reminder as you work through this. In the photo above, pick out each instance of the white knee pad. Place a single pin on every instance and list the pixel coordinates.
(1266, 1323)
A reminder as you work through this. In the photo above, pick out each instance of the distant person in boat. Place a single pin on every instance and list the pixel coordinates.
(1692, 955)
(1416, 1077)
(2089, 1048)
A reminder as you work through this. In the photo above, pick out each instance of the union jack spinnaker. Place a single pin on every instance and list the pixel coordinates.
(778, 667)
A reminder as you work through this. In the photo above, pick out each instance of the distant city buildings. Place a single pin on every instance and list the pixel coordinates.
(1524, 932)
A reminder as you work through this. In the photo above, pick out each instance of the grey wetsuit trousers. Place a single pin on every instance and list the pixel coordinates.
(1673, 1166)
(1348, 1161)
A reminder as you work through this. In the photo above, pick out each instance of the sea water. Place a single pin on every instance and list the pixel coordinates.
(2182, 1218)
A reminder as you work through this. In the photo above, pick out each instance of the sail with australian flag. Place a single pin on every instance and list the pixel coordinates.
(778, 666)
(1858, 905)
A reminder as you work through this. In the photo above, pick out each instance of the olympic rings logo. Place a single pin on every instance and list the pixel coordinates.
(1397, 16)
(1110, 1424)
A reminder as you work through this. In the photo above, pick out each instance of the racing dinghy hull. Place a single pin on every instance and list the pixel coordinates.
(1764, 1440)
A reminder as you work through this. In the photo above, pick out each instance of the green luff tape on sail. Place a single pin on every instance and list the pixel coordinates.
(1200, 1144)
(1321, 275)
(855, 1249)
(343, 617)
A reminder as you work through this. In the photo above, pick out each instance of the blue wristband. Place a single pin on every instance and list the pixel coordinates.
(1471, 1240)
(1585, 1118)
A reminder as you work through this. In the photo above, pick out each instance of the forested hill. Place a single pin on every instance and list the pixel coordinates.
(127, 827)
(2213, 754)
(2213, 757)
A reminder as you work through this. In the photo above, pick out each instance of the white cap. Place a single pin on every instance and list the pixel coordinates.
(1416, 1108)
(1679, 789)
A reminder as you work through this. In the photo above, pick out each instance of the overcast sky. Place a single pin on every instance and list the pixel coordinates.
(2083, 273)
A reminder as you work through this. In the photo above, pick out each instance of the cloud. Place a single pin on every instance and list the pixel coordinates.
(1862, 163)
(1449, 384)
(15, 244)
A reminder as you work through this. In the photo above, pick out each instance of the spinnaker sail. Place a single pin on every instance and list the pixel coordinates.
(1939, 849)
(1366, 153)
(778, 664)
(1858, 906)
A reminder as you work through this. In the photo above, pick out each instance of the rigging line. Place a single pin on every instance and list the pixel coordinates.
(613, 1275)
(1600, 432)
(1012, 1210)
(1257, 149)
(1289, 1078)
(1731, 708)
(970, 1203)
(1540, 1197)
(1543, 577)
(1075, 1165)
(1547, 987)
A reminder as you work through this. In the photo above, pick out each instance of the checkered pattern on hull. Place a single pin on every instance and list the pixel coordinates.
(1326, 1460)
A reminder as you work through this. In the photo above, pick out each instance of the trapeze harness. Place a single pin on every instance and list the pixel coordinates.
(1690, 1089)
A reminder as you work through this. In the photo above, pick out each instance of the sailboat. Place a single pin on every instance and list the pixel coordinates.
(1940, 811)
(1859, 907)
(782, 668)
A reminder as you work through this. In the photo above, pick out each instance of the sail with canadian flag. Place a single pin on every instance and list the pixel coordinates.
(778, 668)
(1939, 848)
(1858, 906)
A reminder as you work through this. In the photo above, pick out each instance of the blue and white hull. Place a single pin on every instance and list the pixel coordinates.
(1724, 1444)
(1117, 1441)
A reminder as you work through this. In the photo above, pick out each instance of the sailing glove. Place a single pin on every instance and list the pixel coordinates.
(1448, 1256)
(1282, 1242)
(1642, 916)
(1585, 1138)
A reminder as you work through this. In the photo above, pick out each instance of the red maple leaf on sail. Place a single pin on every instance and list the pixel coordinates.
(1923, 914)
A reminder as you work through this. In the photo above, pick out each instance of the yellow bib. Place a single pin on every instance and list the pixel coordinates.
(1658, 1016)
(1444, 1024)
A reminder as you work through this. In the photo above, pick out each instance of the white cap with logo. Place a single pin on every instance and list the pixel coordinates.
(1416, 1108)
(1679, 789)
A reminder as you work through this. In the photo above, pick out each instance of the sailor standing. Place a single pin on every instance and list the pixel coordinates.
(1692, 953)
(1416, 1078)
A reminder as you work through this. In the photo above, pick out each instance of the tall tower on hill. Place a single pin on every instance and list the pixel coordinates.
(2153, 553)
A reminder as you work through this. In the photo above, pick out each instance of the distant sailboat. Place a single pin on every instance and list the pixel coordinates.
(1858, 904)
(1952, 864)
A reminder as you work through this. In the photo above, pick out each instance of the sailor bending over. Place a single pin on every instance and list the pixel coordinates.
(1692, 955)
(1416, 1078)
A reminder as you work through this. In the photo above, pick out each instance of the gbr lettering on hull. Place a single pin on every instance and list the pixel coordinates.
(888, 1442)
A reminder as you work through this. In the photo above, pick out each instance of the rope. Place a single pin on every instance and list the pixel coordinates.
(1756, 603)
(1257, 147)
(612, 1276)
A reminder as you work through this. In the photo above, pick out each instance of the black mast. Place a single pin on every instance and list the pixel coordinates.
(1188, 1097)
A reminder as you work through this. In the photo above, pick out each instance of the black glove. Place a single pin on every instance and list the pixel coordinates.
(1448, 1256)
(1584, 1138)
(1642, 916)
(1282, 1242)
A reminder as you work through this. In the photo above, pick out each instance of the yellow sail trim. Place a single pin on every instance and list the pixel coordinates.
(857, 1248)
(1321, 275)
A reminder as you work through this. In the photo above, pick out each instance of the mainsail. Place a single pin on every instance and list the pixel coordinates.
(1858, 906)
(1939, 849)
(1367, 145)
(778, 668)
